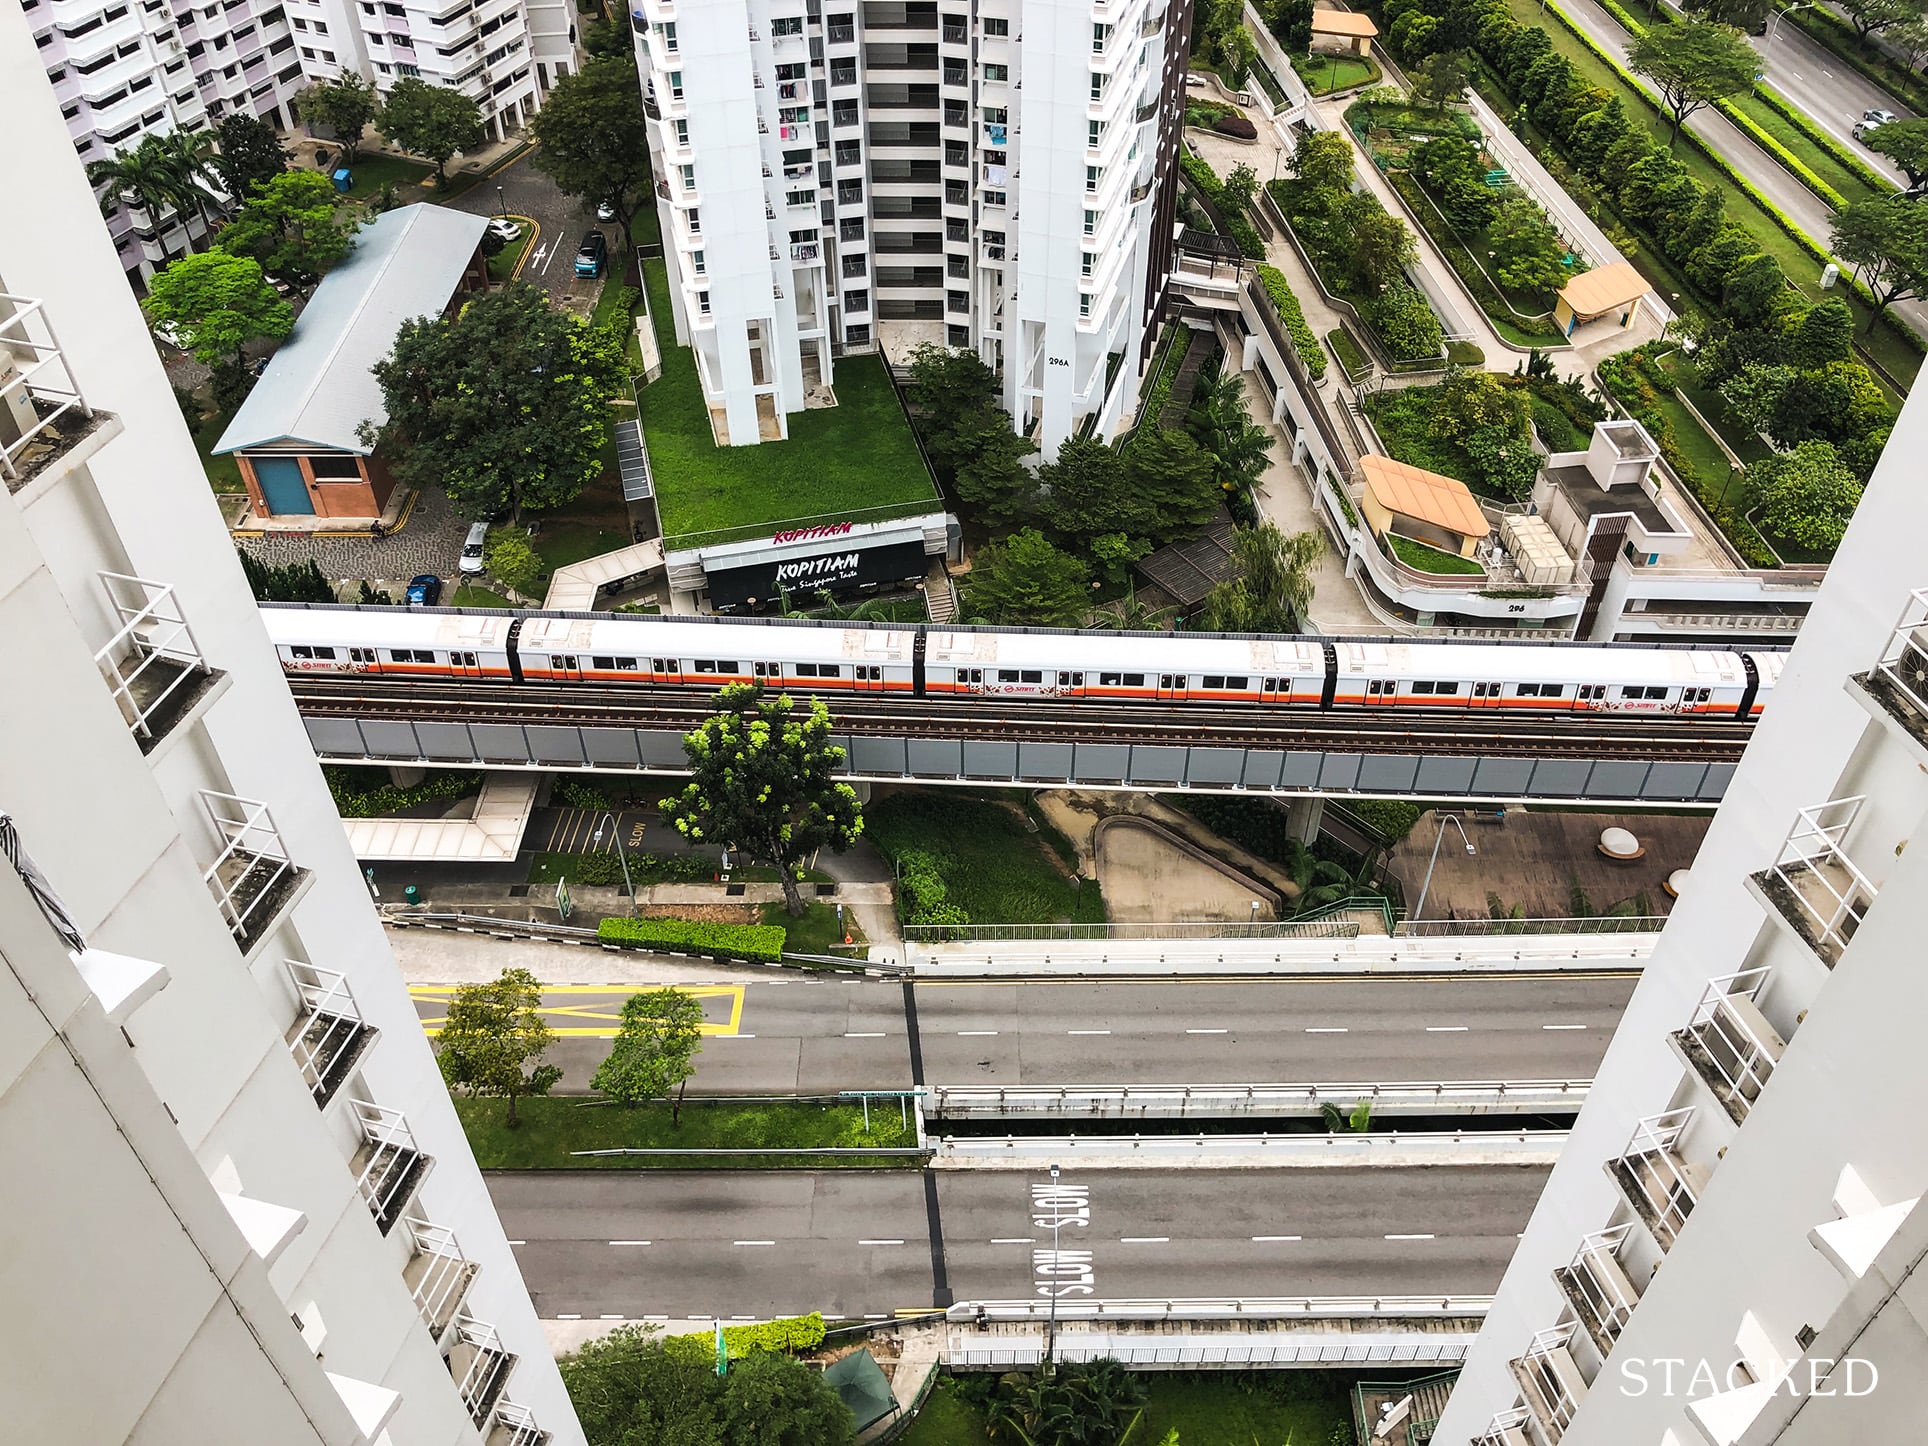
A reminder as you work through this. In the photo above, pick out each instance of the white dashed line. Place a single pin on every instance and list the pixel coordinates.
(734, 1036)
(1268, 1239)
(629, 1242)
(975, 1033)
(1445, 1029)
(1208, 1031)
(1328, 1029)
(1016, 1240)
(568, 1317)
(612, 1317)
(1562, 1026)
(753, 1242)
(518, 1242)
(876, 1317)
(880, 1242)
(1412, 1237)
(865, 1034)
(1144, 1240)
(1087, 1031)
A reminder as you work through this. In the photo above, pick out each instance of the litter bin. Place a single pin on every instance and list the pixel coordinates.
(412, 895)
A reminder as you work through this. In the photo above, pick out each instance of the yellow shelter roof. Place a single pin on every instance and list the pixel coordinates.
(1342, 22)
(1426, 496)
(1596, 292)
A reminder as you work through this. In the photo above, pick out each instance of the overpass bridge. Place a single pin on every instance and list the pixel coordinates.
(1455, 756)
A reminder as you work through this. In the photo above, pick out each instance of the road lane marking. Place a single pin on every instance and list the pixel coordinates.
(1266, 1239)
(1412, 1237)
(1328, 1029)
(1445, 1029)
(880, 1242)
(1144, 1240)
(753, 1242)
(1015, 1240)
(1562, 1026)
(612, 1317)
(569, 1317)
(597, 1019)
(1087, 1031)
(518, 1242)
(629, 1242)
(974, 1033)
(863, 1034)
(736, 1036)
(1208, 1031)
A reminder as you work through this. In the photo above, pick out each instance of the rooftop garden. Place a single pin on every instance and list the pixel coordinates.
(1472, 426)
(856, 457)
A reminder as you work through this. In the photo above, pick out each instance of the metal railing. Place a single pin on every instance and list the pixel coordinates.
(1904, 662)
(1446, 1097)
(1599, 1289)
(247, 873)
(330, 1022)
(1497, 928)
(1651, 1167)
(1733, 1040)
(1547, 1371)
(1505, 1429)
(445, 1274)
(1268, 929)
(889, 512)
(1814, 868)
(1284, 1307)
(481, 1380)
(37, 369)
(1357, 1148)
(386, 1179)
(152, 656)
(520, 1423)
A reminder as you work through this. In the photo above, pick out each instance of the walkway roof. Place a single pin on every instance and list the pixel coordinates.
(1342, 22)
(319, 389)
(1596, 292)
(1414, 492)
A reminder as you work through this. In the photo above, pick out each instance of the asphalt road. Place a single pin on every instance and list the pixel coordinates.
(759, 1244)
(1832, 93)
(818, 1035)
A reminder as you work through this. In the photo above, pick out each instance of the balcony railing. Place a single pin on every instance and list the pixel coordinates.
(252, 876)
(1813, 883)
(438, 1274)
(152, 664)
(1899, 681)
(480, 1365)
(1506, 1429)
(1660, 1186)
(43, 403)
(1729, 1042)
(1550, 1381)
(329, 1035)
(1597, 1288)
(388, 1167)
(803, 251)
(516, 1426)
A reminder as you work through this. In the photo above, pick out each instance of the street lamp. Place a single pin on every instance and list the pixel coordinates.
(1774, 28)
(501, 199)
(1444, 819)
(1051, 1324)
(616, 846)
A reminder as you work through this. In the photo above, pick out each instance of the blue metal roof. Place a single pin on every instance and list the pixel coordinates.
(319, 389)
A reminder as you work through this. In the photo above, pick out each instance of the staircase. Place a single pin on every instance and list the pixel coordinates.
(940, 595)
(1429, 1395)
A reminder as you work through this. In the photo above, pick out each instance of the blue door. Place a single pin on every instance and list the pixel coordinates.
(282, 485)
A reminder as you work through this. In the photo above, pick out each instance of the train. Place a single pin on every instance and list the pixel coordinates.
(940, 660)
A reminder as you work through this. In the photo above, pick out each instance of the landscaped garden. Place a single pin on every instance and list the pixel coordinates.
(1473, 426)
(551, 1129)
(991, 858)
(1324, 74)
(1419, 556)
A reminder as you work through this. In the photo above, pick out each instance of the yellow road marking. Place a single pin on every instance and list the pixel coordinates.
(612, 994)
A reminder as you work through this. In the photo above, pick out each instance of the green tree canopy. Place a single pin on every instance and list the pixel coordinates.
(1322, 160)
(1272, 591)
(594, 138)
(1886, 241)
(764, 780)
(432, 122)
(347, 106)
(1172, 482)
(1084, 490)
(505, 405)
(971, 443)
(292, 226)
(1379, 246)
(1824, 333)
(1905, 142)
(1441, 78)
(1870, 16)
(1528, 254)
(1806, 496)
(251, 154)
(1236, 449)
(655, 1050)
(217, 303)
(1490, 422)
(1025, 580)
(1448, 165)
(1240, 185)
(772, 1400)
(492, 1037)
(157, 176)
(1693, 64)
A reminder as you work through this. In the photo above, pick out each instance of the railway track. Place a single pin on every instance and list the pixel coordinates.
(1433, 731)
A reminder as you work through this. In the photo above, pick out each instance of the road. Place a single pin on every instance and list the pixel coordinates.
(820, 1034)
(1832, 93)
(857, 1243)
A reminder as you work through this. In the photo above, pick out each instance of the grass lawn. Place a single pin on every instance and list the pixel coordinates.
(946, 1420)
(817, 932)
(1524, 326)
(1206, 1408)
(994, 866)
(371, 172)
(468, 595)
(838, 461)
(597, 521)
(502, 265)
(1352, 361)
(552, 1127)
(1432, 559)
(1324, 74)
(1806, 151)
(1403, 420)
(224, 473)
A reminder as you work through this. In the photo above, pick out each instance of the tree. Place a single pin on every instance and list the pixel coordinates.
(1693, 64)
(1170, 480)
(492, 1034)
(1886, 241)
(196, 179)
(1236, 52)
(432, 122)
(1741, 14)
(1379, 245)
(217, 304)
(1825, 333)
(1235, 447)
(1024, 580)
(292, 226)
(628, 1391)
(1490, 421)
(991, 475)
(763, 771)
(505, 405)
(157, 176)
(1322, 160)
(951, 392)
(347, 106)
(1292, 24)
(1272, 591)
(655, 1051)
(1806, 496)
(1528, 254)
(251, 154)
(770, 1399)
(1236, 191)
(1869, 16)
(1911, 39)
(593, 139)
(1441, 78)
(1905, 142)
(1448, 166)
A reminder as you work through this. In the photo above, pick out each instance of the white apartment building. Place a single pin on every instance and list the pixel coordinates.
(1741, 1189)
(894, 172)
(239, 1204)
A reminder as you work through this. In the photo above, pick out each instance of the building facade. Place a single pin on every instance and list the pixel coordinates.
(1739, 1196)
(244, 1185)
(924, 175)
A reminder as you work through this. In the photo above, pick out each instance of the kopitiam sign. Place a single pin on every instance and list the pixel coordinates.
(808, 560)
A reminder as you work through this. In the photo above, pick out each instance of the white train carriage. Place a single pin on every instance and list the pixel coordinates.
(1543, 679)
(711, 655)
(1117, 665)
(390, 642)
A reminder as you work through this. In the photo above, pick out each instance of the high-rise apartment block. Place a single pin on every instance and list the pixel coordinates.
(990, 174)
(239, 1205)
(1728, 1252)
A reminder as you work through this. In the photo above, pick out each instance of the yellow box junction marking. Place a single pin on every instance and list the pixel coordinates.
(606, 1007)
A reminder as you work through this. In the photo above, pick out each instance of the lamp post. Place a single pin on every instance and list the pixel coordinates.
(1774, 29)
(616, 845)
(1051, 1322)
(1444, 819)
(501, 199)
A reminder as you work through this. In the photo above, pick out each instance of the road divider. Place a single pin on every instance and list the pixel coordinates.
(1126, 1102)
(1138, 1152)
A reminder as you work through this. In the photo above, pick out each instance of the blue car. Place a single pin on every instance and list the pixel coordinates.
(424, 591)
(591, 255)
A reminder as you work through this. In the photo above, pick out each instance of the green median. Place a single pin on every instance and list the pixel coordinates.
(554, 1128)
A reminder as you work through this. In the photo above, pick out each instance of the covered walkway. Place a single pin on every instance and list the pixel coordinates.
(492, 834)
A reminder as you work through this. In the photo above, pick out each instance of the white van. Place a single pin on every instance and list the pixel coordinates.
(471, 562)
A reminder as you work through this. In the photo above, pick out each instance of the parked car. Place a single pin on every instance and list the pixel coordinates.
(591, 255)
(470, 562)
(424, 591)
(505, 228)
(1872, 121)
(606, 211)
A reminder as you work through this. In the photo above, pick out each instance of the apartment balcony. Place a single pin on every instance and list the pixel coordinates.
(1142, 191)
(1550, 1381)
(438, 1274)
(1895, 690)
(1597, 1288)
(1145, 112)
(515, 1426)
(153, 666)
(1729, 1042)
(1656, 1181)
(389, 1167)
(806, 252)
(1506, 1429)
(42, 411)
(252, 878)
(329, 1035)
(480, 1366)
(1813, 886)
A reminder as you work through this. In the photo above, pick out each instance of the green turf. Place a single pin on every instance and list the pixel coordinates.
(839, 461)
(1323, 74)
(1432, 559)
(468, 595)
(224, 473)
(817, 932)
(994, 866)
(1804, 148)
(502, 265)
(373, 171)
(945, 1420)
(554, 1126)
(1206, 1408)
(1351, 359)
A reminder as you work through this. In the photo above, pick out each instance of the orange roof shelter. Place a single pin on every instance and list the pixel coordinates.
(1425, 506)
(1600, 292)
(1345, 31)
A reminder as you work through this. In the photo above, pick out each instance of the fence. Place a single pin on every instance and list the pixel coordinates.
(1283, 1307)
(1492, 928)
(1263, 929)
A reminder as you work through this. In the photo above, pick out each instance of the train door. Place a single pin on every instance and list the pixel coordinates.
(666, 670)
(566, 666)
(1486, 695)
(1174, 685)
(869, 678)
(463, 664)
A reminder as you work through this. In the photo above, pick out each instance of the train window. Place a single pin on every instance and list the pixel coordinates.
(1486, 690)
(970, 675)
(1656, 694)
(464, 660)
(1212, 681)
(1381, 687)
(603, 663)
(1437, 690)
(1134, 680)
(1553, 690)
(1110, 680)
(361, 655)
(876, 673)
(831, 670)
(1166, 680)
(402, 655)
(656, 665)
(1594, 691)
(626, 665)
(705, 665)
(562, 660)
(760, 669)
(1073, 680)
(1031, 675)
(726, 665)
(1632, 692)
(806, 670)
(301, 652)
(1237, 682)
(1007, 675)
(325, 653)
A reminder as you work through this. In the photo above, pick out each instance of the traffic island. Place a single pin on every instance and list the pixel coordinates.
(558, 1132)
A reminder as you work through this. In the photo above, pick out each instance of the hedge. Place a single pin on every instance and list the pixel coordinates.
(388, 798)
(797, 1332)
(1200, 173)
(1304, 342)
(759, 943)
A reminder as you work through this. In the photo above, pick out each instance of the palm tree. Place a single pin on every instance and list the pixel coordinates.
(197, 183)
(142, 178)
(1238, 447)
(1128, 615)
